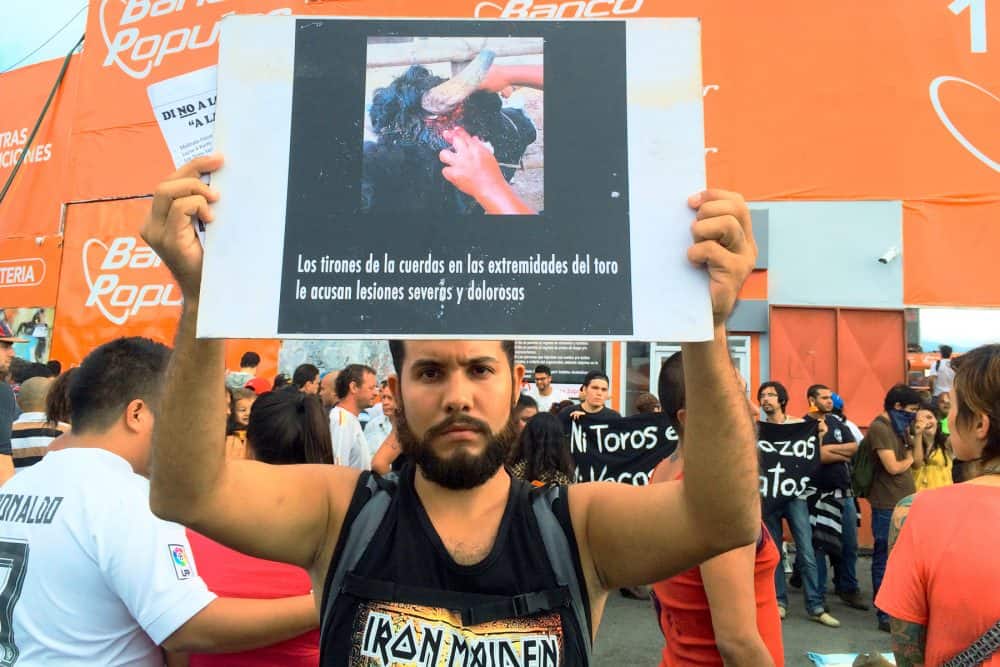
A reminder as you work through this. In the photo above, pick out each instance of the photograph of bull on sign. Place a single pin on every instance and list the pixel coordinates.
(453, 125)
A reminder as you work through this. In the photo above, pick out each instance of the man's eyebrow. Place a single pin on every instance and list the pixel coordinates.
(429, 362)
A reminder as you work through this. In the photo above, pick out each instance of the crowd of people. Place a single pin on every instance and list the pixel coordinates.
(148, 517)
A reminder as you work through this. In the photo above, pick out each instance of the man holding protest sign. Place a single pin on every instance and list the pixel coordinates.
(789, 459)
(593, 394)
(460, 546)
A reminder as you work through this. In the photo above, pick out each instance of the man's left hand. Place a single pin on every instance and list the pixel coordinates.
(724, 243)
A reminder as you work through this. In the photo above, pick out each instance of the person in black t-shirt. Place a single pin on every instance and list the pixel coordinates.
(458, 552)
(595, 392)
(834, 478)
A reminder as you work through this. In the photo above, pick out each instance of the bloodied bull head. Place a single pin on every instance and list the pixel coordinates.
(401, 171)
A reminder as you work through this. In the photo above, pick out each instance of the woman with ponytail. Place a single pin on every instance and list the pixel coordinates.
(285, 428)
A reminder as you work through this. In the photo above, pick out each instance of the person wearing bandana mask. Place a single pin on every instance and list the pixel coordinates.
(891, 438)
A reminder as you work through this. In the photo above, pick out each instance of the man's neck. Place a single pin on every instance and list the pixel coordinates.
(776, 417)
(250, 370)
(442, 502)
(104, 441)
(350, 406)
(588, 408)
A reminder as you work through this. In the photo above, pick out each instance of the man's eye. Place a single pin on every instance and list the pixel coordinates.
(430, 374)
(481, 370)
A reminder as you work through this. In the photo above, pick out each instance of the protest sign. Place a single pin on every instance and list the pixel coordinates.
(620, 450)
(185, 111)
(365, 213)
(789, 459)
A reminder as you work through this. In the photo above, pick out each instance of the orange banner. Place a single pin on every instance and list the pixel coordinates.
(113, 284)
(949, 254)
(32, 205)
(803, 100)
(29, 271)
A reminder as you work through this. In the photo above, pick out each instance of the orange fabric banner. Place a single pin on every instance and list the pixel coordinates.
(802, 101)
(33, 203)
(112, 284)
(29, 271)
(949, 254)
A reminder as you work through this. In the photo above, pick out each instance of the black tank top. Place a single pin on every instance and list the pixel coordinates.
(409, 603)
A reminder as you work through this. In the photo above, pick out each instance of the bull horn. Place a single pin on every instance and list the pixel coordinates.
(444, 97)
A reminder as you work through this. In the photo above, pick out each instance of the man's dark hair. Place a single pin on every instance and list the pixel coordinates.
(902, 394)
(289, 427)
(813, 390)
(24, 372)
(250, 360)
(525, 401)
(977, 392)
(55, 366)
(352, 373)
(595, 375)
(397, 348)
(542, 369)
(112, 376)
(671, 389)
(647, 403)
(303, 374)
(945, 351)
(280, 380)
(780, 390)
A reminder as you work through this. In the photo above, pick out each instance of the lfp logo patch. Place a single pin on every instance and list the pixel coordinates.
(182, 565)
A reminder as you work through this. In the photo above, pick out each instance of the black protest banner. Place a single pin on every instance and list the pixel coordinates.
(789, 459)
(620, 450)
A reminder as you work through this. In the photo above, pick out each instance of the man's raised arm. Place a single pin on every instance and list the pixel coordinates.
(641, 535)
(286, 513)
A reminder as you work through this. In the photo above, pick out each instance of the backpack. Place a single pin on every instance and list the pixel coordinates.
(863, 469)
(557, 546)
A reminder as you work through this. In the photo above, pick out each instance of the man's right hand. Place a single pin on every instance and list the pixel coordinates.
(170, 227)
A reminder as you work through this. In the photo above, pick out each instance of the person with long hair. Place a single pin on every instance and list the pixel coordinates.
(541, 454)
(285, 427)
(943, 541)
(934, 468)
(57, 406)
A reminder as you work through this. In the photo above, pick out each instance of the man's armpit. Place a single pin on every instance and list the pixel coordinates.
(908, 642)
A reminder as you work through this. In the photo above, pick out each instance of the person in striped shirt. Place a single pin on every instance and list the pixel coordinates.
(32, 431)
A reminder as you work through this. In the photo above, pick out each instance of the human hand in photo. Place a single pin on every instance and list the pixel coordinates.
(170, 227)
(502, 78)
(471, 167)
(724, 244)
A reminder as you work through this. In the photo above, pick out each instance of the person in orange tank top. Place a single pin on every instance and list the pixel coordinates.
(725, 610)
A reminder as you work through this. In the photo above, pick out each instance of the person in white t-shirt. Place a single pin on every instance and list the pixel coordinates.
(542, 390)
(357, 390)
(92, 576)
(940, 373)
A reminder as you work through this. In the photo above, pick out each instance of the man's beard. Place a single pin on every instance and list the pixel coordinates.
(460, 471)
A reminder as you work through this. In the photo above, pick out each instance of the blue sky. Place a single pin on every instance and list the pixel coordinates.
(26, 24)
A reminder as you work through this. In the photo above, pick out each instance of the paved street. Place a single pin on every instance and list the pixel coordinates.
(629, 634)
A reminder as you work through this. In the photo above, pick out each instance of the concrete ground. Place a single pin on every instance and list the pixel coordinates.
(629, 634)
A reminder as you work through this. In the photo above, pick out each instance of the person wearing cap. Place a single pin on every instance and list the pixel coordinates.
(838, 412)
(8, 405)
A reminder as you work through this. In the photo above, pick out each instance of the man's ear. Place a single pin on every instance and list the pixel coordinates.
(135, 414)
(518, 377)
(682, 415)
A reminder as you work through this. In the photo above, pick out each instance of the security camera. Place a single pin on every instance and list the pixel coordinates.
(889, 255)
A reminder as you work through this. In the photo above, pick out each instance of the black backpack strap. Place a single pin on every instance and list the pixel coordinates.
(561, 557)
(359, 536)
(492, 608)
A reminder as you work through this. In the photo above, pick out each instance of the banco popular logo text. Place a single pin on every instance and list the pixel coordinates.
(113, 273)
